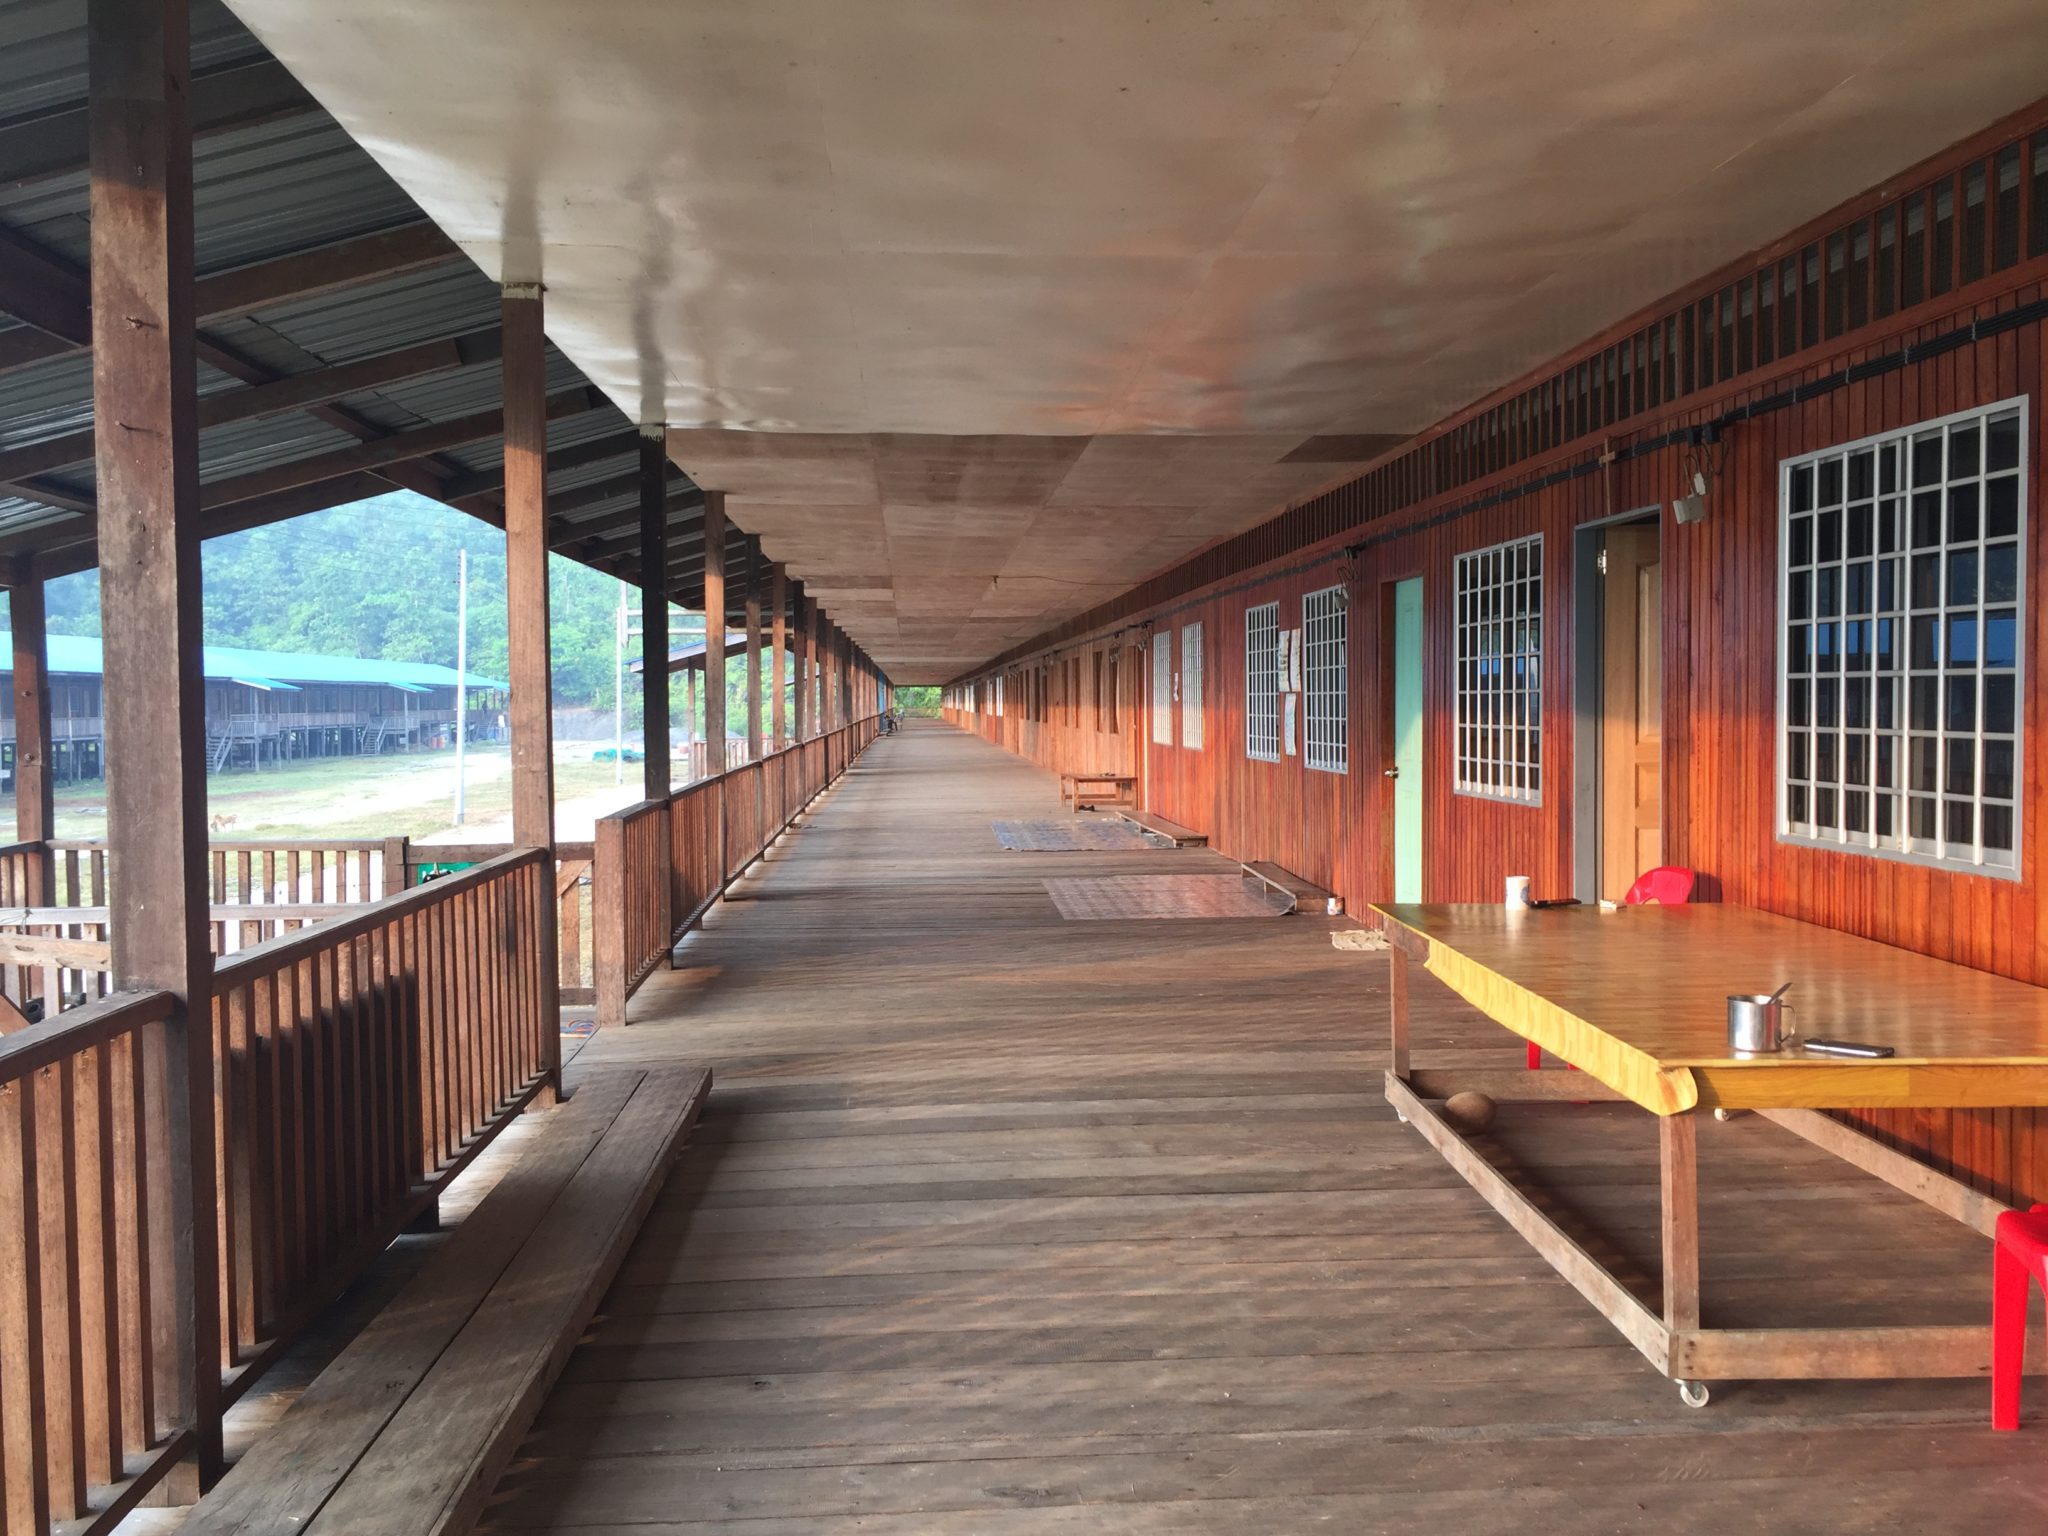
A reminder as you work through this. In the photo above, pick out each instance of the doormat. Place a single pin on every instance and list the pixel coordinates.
(1096, 836)
(1116, 897)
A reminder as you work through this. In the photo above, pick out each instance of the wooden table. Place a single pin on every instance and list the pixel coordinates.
(1086, 790)
(1637, 1001)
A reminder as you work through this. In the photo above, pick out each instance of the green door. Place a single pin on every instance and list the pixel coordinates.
(1407, 766)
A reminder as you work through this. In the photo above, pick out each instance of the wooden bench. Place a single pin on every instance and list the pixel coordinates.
(1085, 791)
(1304, 896)
(411, 1426)
(1172, 831)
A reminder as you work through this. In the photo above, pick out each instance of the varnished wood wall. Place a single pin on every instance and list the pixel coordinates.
(1720, 656)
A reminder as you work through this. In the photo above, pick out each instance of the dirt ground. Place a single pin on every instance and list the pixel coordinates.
(398, 795)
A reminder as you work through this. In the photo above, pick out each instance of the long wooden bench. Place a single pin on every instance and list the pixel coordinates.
(1172, 831)
(411, 1426)
(1086, 791)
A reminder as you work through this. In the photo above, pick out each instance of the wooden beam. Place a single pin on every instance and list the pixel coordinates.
(294, 392)
(528, 663)
(145, 388)
(35, 806)
(654, 609)
(417, 443)
(45, 291)
(778, 640)
(244, 94)
(470, 491)
(259, 285)
(752, 623)
(800, 661)
(714, 634)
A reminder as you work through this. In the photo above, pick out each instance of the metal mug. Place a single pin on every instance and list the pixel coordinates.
(1756, 1023)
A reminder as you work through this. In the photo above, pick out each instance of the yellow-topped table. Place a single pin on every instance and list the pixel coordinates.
(1637, 1001)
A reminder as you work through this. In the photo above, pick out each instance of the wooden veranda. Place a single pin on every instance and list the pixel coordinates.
(1002, 1223)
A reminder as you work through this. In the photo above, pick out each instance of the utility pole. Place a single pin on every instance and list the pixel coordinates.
(619, 692)
(461, 671)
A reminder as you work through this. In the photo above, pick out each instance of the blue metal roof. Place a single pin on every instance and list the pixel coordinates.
(79, 655)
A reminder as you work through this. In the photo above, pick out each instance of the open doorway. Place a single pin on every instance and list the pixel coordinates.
(1620, 716)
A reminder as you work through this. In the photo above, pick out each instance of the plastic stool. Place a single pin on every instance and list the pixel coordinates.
(2020, 1257)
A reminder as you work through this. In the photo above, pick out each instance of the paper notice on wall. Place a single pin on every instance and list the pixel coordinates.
(1287, 722)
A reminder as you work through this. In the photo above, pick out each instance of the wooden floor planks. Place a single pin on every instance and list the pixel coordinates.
(1001, 1224)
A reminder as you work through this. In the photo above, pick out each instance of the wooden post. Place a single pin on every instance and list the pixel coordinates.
(526, 602)
(778, 640)
(35, 806)
(654, 609)
(714, 633)
(145, 399)
(753, 622)
(801, 664)
(1678, 1180)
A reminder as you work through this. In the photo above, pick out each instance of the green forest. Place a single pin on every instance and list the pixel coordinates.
(378, 578)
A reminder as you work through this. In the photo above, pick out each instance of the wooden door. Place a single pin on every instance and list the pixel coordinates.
(1632, 709)
(1406, 767)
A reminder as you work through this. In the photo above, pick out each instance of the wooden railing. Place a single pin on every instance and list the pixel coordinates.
(360, 1063)
(661, 864)
(95, 1402)
(258, 890)
(356, 1067)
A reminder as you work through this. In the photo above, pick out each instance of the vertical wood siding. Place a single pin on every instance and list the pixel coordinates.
(1720, 622)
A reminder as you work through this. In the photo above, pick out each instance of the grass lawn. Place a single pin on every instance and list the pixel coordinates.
(398, 795)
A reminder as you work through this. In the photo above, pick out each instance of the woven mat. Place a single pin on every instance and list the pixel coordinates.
(1116, 897)
(1076, 836)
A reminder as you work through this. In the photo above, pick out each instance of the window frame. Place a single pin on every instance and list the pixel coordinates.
(1193, 670)
(1900, 845)
(1253, 717)
(1339, 612)
(1164, 705)
(1464, 749)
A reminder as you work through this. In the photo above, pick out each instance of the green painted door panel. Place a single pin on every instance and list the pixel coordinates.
(1408, 740)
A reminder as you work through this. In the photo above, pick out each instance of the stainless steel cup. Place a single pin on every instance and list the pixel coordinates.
(1756, 1023)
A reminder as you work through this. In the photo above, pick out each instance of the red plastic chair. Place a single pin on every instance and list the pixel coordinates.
(2020, 1257)
(1669, 885)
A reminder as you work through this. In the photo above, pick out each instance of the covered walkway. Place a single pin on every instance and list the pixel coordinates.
(1000, 1223)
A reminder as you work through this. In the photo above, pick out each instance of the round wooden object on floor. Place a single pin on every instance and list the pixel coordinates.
(1469, 1112)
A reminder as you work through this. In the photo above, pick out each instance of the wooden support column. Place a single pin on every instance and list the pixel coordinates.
(531, 711)
(778, 641)
(714, 633)
(802, 664)
(753, 622)
(35, 806)
(654, 610)
(145, 399)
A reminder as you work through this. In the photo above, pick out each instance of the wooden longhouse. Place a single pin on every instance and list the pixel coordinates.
(1322, 428)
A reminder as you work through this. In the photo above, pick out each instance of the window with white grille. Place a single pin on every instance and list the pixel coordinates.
(1262, 682)
(1903, 582)
(1162, 688)
(1498, 721)
(1323, 665)
(1191, 686)
(999, 695)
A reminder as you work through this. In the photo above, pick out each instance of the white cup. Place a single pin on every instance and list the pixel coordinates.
(1517, 891)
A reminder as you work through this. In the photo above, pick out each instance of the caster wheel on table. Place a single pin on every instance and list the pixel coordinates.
(1693, 1394)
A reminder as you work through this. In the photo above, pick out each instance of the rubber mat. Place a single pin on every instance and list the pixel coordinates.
(1117, 897)
(1077, 836)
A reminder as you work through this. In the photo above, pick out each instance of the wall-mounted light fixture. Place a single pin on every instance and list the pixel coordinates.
(1691, 507)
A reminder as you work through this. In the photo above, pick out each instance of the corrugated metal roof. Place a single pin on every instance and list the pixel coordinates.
(43, 43)
(289, 184)
(79, 656)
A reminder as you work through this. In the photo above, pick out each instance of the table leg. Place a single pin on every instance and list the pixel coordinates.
(1678, 1176)
(1397, 999)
